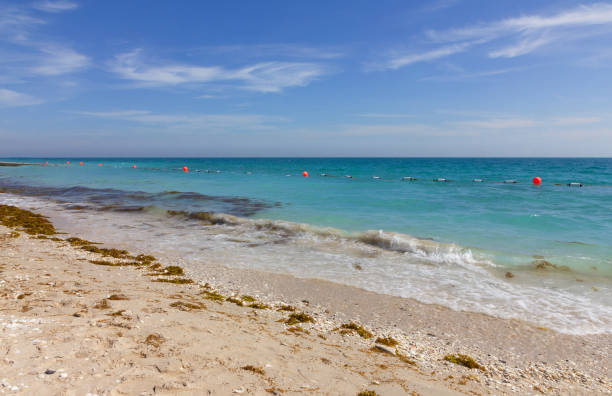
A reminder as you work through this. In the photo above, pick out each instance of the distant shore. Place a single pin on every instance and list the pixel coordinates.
(15, 163)
(179, 335)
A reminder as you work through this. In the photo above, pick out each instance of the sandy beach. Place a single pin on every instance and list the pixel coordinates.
(81, 318)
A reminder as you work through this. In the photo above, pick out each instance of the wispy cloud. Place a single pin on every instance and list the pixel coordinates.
(531, 32)
(55, 6)
(57, 60)
(262, 77)
(36, 55)
(205, 122)
(385, 115)
(462, 76)
(401, 60)
(519, 123)
(511, 37)
(10, 98)
(278, 50)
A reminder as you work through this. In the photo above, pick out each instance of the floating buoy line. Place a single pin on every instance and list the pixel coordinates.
(536, 181)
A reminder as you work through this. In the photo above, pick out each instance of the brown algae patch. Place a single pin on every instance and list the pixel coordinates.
(288, 308)
(102, 304)
(29, 222)
(235, 301)
(257, 305)
(297, 329)
(388, 341)
(74, 241)
(173, 270)
(176, 281)
(117, 297)
(154, 340)
(350, 327)
(187, 306)
(212, 295)
(246, 298)
(254, 369)
(367, 393)
(464, 360)
(300, 317)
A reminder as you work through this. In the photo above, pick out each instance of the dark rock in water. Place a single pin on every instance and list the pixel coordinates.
(509, 274)
(49, 371)
(357, 266)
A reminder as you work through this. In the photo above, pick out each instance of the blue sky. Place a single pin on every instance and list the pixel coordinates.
(318, 78)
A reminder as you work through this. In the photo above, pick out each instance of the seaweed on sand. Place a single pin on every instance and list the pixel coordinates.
(350, 327)
(29, 222)
(464, 360)
(299, 317)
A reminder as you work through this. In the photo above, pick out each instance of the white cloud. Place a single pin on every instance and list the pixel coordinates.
(10, 98)
(55, 6)
(58, 60)
(262, 77)
(531, 32)
(215, 122)
(513, 37)
(498, 123)
(385, 115)
(401, 60)
(518, 123)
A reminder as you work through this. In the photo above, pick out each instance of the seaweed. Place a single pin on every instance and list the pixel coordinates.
(367, 393)
(464, 360)
(144, 259)
(349, 327)
(212, 295)
(114, 264)
(405, 358)
(154, 340)
(257, 305)
(29, 222)
(74, 241)
(117, 297)
(246, 298)
(186, 306)
(235, 301)
(176, 281)
(286, 308)
(297, 329)
(102, 304)
(256, 370)
(116, 313)
(173, 270)
(300, 317)
(115, 253)
(388, 341)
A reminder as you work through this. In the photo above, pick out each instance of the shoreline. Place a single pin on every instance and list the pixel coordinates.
(519, 357)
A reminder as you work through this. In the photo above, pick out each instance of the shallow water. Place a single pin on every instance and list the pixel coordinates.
(443, 242)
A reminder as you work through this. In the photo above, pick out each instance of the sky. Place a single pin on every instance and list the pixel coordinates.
(315, 78)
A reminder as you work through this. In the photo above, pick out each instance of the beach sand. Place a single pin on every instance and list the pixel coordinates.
(68, 326)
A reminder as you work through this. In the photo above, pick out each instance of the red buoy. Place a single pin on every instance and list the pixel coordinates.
(537, 180)
(80, 163)
(133, 166)
(67, 162)
(99, 164)
(305, 174)
(185, 169)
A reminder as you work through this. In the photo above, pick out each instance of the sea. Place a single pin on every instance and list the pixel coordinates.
(471, 234)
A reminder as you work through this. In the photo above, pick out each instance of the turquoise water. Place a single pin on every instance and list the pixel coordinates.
(451, 243)
(568, 225)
